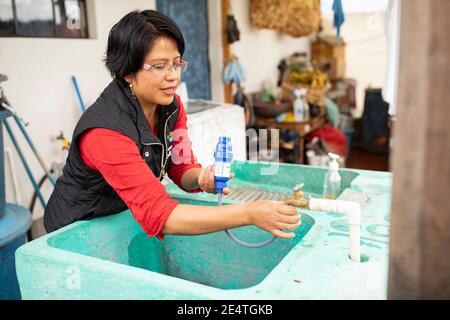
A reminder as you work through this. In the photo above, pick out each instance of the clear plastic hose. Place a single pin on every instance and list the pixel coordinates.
(240, 242)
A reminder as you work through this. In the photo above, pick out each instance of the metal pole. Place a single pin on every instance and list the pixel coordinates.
(25, 164)
(75, 83)
(2, 173)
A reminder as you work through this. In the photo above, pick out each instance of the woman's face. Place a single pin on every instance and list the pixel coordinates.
(157, 85)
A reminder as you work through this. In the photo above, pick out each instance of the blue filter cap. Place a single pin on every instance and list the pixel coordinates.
(224, 140)
(220, 185)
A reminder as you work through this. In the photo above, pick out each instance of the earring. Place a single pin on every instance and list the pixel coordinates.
(132, 91)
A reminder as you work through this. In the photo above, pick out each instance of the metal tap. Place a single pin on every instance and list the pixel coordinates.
(297, 199)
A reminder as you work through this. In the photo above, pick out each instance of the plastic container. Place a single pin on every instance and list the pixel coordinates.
(306, 113)
(299, 109)
(332, 181)
(14, 224)
(222, 165)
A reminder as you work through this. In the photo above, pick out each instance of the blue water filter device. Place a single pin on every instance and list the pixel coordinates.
(222, 164)
(222, 170)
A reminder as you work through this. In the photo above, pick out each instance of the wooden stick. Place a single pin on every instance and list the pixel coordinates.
(226, 47)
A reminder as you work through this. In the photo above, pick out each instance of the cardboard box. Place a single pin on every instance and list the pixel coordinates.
(328, 55)
(337, 70)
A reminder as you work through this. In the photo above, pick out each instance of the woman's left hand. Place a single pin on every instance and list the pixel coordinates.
(206, 180)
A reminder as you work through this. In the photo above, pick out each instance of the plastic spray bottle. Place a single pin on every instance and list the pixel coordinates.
(298, 105)
(306, 113)
(301, 107)
(222, 165)
(332, 182)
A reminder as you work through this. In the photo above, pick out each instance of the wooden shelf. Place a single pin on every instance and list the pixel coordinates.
(301, 128)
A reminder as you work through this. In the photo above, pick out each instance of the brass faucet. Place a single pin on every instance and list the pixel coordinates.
(297, 199)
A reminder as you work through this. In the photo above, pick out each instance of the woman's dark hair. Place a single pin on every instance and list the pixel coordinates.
(131, 39)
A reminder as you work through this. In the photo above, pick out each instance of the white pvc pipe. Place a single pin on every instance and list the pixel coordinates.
(354, 242)
(353, 212)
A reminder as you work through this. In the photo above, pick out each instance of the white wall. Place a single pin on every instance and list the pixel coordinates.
(366, 50)
(40, 88)
(261, 50)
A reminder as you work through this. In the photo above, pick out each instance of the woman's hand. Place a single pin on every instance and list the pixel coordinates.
(206, 180)
(273, 216)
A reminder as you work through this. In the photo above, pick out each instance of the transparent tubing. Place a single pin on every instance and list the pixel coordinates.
(240, 242)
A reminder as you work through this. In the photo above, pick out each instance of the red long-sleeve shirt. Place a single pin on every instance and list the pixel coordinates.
(117, 158)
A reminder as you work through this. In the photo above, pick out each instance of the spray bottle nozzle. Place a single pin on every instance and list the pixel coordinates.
(333, 164)
(333, 156)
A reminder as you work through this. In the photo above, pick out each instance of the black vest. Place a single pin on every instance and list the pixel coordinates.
(82, 193)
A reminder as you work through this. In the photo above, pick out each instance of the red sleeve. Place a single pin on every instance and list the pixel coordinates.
(183, 157)
(117, 158)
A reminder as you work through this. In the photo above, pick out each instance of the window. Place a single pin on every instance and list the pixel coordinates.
(43, 18)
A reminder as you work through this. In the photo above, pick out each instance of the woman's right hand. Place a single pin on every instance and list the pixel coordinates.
(273, 216)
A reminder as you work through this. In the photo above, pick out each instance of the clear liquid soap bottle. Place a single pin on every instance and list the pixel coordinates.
(332, 182)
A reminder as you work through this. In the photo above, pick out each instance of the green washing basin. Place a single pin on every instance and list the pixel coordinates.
(117, 244)
(213, 259)
(112, 258)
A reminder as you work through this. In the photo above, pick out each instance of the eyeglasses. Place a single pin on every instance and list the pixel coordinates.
(163, 69)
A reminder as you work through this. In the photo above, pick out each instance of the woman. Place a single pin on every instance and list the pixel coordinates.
(121, 147)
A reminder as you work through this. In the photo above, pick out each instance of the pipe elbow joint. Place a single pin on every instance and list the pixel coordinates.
(353, 211)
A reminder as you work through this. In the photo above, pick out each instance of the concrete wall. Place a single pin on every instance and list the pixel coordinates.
(40, 87)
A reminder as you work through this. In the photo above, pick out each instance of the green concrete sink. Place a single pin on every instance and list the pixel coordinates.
(213, 259)
(112, 258)
(117, 242)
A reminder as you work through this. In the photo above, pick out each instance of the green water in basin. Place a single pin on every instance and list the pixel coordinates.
(213, 260)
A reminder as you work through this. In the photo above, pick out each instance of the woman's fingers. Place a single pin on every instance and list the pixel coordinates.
(288, 226)
(210, 179)
(289, 219)
(281, 234)
(285, 209)
(206, 180)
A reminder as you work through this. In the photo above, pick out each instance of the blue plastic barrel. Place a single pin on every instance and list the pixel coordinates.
(15, 221)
